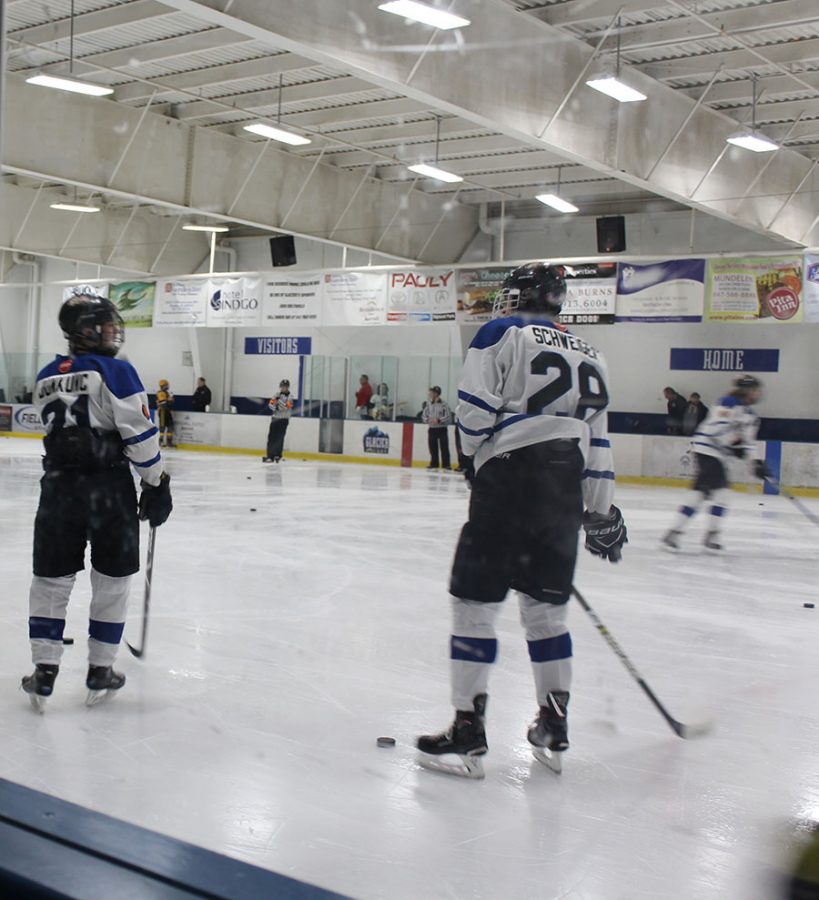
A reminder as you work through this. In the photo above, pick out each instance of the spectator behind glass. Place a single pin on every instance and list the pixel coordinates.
(201, 396)
(695, 412)
(676, 410)
(363, 398)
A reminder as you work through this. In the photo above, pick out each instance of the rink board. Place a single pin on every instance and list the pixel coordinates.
(51, 845)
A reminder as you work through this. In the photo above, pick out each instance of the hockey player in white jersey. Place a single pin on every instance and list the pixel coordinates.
(728, 433)
(532, 415)
(95, 413)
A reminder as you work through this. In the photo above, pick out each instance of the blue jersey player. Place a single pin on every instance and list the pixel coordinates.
(532, 416)
(95, 413)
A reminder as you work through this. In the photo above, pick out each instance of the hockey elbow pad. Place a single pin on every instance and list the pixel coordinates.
(605, 535)
(155, 503)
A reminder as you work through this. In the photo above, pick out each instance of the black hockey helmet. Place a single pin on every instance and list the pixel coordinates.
(91, 323)
(744, 385)
(284, 383)
(533, 287)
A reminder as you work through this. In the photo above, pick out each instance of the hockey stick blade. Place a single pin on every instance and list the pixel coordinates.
(795, 500)
(686, 732)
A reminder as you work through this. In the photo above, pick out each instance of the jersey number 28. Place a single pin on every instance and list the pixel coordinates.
(590, 385)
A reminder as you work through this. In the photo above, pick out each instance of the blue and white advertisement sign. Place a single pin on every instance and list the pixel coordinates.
(667, 291)
(810, 288)
(724, 359)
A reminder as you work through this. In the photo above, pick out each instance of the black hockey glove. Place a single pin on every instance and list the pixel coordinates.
(605, 535)
(739, 450)
(761, 471)
(155, 503)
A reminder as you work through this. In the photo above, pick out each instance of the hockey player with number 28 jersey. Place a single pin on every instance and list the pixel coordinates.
(96, 418)
(532, 415)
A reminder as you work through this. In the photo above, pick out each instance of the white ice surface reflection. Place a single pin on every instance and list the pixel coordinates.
(284, 641)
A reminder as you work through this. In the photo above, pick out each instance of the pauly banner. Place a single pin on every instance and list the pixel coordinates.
(426, 295)
(753, 289)
(670, 291)
(181, 302)
(591, 292)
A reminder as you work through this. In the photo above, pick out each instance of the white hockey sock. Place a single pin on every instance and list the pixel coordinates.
(47, 603)
(688, 510)
(109, 600)
(718, 508)
(473, 649)
(550, 645)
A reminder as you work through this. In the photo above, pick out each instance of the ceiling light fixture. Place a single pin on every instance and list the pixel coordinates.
(277, 133)
(75, 207)
(555, 200)
(63, 83)
(210, 228)
(427, 15)
(752, 140)
(611, 84)
(434, 171)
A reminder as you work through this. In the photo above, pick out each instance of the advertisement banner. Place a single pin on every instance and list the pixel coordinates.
(197, 428)
(26, 418)
(291, 298)
(476, 289)
(720, 359)
(421, 296)
(278, 346)
(753, 289)
(5, 416)
(670, 291)
(354, 298)
(234, 302)
(181, 302)
(811, 288)
(591, 292)
(135, 302)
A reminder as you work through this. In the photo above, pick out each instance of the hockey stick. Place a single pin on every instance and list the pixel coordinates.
(795, 500)
(681, 730)
(146, 600)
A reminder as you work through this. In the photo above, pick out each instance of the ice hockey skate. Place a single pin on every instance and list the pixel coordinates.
(671, 540)
(712, 542)
(40, 685)
(102, 681)
(548, 734)
(465, 739)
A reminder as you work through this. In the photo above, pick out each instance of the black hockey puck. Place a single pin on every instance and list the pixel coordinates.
(809, 605)
(253, 509)
(68, 641)
(385, 741)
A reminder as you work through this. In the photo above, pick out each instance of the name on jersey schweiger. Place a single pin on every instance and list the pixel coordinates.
(64, 384)
(550, 337)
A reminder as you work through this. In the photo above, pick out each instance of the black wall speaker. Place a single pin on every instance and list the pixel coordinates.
(283, 250)
(611, 234)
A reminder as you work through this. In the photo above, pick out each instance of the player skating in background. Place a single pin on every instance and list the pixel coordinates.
(532, 417)
(281, 405)
(164, 414)
(95, 413)
(728, 432)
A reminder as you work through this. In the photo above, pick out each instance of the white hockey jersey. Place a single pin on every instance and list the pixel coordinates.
(527, 380)
(105, 395)
(729, 429)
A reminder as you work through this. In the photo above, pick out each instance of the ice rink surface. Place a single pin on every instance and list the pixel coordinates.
(284, 641)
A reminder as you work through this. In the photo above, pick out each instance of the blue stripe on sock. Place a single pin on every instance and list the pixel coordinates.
(552, 648)
(718, 511)
(107, 632)
(687, 510)
(470, 649)
(44, 628)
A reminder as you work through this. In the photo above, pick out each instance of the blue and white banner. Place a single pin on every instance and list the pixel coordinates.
(278, 346)
(669, 291)
(719, 359)
(810, 288)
